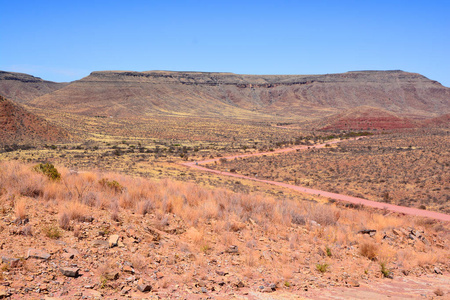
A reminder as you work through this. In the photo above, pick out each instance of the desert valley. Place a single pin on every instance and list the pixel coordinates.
(203, 185)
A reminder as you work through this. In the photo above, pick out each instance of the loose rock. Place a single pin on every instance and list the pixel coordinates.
(144, 287)
(70, 272)
(113, 240)
(34, 253)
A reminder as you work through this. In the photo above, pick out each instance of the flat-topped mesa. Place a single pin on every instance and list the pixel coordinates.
(218, 78)
(23, 88)
(20, 77)
(210, 94)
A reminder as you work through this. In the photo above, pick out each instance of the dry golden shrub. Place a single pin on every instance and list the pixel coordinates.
(144, 207)
(368, 249)
(251, 258)
(75, 211)
(194, 235)
(325, 215)
(64, 221)
(20, 208)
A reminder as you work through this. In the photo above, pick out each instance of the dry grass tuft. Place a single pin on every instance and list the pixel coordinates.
(20, 209)
(64, 221)
(368, 249)
(75, 211)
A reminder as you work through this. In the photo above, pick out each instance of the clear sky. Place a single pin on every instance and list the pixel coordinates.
(66, 40)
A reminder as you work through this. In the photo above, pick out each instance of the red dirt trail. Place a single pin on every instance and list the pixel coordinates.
(340, 197)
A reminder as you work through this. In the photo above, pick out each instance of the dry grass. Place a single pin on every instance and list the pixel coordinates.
(20, 209)
(270, 235)
(368, 249)
(408, 169)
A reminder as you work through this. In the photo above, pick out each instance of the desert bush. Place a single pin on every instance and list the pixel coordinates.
(144, 207)
(111, 184)
(368, 249)
(48, 170)
(322, 268)
(52, 232)
(384, 270)
(324, 214)
(75, 210)
(20, 209)
(64, 221)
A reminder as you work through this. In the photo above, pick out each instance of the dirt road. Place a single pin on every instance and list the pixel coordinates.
(340, 197)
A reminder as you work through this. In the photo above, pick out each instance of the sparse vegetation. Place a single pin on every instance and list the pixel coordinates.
(368, 249)
(408, 168)
(322, 268)
(384, 270)
(52, 232)
(49, 170)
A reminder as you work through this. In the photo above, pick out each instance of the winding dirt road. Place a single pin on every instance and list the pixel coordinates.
(340, 197)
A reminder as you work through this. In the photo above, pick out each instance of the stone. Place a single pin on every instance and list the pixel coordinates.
(437, 271)
(111, 275)
(370, 232)
(144, 287)
(396, 232)
(128, 269)
(204, 290)
(113, 240)
(34, 253)
(13, 262)
(353, 283)
(100, 243)
(4, 293)
(70, 272)
(232, 249)
(68, 256)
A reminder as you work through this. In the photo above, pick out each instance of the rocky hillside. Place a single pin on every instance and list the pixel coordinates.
(24, 88)
(125, 94)
(18, 126)
(365, 118)
(93, 235)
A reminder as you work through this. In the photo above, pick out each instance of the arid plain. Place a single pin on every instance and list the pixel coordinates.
(96, 199)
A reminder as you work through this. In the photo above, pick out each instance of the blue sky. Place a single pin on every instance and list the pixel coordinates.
(66, 40)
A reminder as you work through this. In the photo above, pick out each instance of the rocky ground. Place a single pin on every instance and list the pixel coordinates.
(159, 253)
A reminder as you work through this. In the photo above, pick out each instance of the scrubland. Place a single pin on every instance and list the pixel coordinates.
(182, 238)
(409, 168)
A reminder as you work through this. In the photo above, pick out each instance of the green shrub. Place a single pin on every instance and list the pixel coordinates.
(52, 232)
(49, 170)
(322, 268)
(385, 271)
(112, 184)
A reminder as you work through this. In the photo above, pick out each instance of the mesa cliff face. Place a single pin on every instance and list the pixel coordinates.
(126, 94)
(17, 126)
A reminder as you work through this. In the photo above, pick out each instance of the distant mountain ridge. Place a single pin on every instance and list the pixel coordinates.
(210, 94)
(23, 88)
